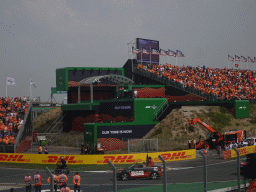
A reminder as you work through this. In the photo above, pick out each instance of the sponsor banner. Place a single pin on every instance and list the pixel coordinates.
(96, 159)
(242, 151)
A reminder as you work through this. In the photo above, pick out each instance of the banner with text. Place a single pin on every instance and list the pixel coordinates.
(96, 159)
(242, 151)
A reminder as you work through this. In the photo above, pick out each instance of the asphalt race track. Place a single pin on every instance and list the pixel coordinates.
(191, 171)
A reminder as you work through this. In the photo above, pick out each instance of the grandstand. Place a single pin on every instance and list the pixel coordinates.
(102, 100)
(12, 115)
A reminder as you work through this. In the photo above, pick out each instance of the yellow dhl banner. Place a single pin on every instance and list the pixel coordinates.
(96, 159)
(242, 151)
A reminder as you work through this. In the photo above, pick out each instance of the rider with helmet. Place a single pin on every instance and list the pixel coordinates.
(63, 163)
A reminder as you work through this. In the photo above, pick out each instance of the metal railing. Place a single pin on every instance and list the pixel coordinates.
(177, 85)
(22, 129)
(160, 108)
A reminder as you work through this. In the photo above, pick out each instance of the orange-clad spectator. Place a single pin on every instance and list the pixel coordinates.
(65, 188)
(76, 181)
(40, 149)
(62, 179)
(28, 181)
(6, 140)
(38, 182)
(56, 181)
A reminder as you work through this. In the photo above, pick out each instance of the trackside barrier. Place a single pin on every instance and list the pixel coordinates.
(96, 159)
(242, 151)
(165, 173)
(204, 170)
(238, 170)
(52, 179)
(114, 176)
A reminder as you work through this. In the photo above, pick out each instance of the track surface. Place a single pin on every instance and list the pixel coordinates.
(191, 171)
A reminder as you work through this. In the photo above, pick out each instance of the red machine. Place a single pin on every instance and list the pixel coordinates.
(214, 138)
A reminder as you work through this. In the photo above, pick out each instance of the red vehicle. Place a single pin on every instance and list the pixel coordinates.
(139, 171)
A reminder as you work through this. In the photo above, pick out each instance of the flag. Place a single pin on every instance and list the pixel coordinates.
(155, 52)
(162, 52)
(32, 83)
(237, 58)
(182, 55)
(254, 60)
(171, 53)
(178, 53)
(243, 59)
(230, 58)
(249, 59)
(135, 50)
(10, 81)
(236, 65)
(145, 51)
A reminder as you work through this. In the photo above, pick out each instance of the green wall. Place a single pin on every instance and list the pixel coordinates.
(143, 109)
(61, 79)
(241, 109)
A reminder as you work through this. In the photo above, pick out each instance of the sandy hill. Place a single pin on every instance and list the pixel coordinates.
(173, 132)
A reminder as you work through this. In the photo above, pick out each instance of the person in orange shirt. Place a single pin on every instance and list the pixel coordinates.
(65, 188)
(62, 179)
(76, 181)
(56, 181)
(28, 181)
(40, 149)
(38, 182)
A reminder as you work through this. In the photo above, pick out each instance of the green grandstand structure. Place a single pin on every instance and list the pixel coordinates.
(102, 101)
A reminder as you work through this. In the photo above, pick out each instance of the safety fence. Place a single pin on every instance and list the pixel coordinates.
(200, 172)
(142, 145)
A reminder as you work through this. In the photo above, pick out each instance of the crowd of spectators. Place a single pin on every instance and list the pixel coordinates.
(12, 112)
(233, 145)
(223, 83)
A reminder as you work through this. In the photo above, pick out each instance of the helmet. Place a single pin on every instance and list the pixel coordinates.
(62, 158)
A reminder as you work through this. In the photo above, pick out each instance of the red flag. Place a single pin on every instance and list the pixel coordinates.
(236, 65)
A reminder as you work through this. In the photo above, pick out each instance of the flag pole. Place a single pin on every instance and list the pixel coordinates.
(30, 89)
(228, 63)
(150, 55)
(141, 56)
(6, 86)
(176, 60)
(247, 62)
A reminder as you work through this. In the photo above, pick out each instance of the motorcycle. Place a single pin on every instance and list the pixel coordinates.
(60, 168)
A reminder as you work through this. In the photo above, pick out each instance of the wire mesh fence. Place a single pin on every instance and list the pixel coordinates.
(142, 145)
(187, 175)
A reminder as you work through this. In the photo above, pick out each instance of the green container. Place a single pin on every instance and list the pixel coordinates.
(43, 142)
(241, 109)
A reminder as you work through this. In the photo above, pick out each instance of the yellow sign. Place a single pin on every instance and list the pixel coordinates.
(96, 159)
(244, 151)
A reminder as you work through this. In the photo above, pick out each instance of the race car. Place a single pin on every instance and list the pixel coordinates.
(138, 171)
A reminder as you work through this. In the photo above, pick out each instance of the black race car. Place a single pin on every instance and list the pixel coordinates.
(139, 171)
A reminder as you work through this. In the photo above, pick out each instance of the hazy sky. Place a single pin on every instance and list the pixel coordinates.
(39, 36)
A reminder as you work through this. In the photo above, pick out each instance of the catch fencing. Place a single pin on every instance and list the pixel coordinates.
(207, 172)
(142, 145)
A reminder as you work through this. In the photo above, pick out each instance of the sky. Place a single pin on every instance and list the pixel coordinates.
(39, 36)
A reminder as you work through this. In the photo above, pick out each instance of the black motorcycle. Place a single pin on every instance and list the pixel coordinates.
(60, 168)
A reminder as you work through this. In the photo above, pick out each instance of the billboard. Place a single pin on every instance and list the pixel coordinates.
(146, 44)
(123, 131)
(117, 108)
